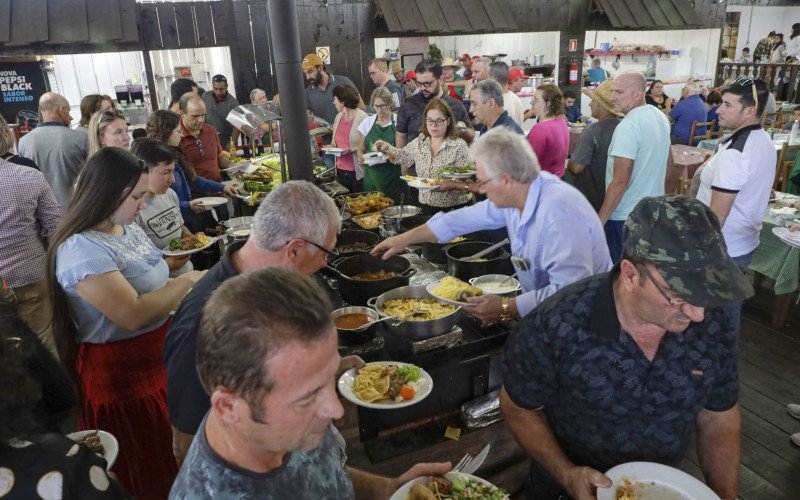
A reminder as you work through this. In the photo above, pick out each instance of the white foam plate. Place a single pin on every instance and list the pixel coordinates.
(374, 158)
(334, 151)
(212, 201)
(179, 253)
(419, 184)
(405, 490)
(791, 238)
(656, 481)
(348, 378)
(110, 444)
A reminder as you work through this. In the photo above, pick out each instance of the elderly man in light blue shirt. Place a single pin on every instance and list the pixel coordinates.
(556, 237)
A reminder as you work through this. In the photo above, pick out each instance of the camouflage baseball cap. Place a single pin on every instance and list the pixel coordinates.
(681, 238)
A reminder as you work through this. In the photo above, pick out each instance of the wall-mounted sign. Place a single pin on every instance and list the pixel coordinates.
(324, 53)
(573, 44)
(21, 86)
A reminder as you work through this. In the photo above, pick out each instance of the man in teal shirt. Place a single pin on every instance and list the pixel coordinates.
(637, 157)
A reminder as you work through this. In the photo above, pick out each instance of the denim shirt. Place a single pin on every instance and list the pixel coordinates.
(558, 235)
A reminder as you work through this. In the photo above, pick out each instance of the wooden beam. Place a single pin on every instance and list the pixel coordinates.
(168, 25)
(149, 32)
(67, 21)
(224, 32)
(127, 13)
(243, 59)
(390, 15)
(498, 15)
(456, 18)
(184, 20)
(432, 15)
(259, 15)
(105, 23)
(659, 19)
(410, 18)
(26, 22)
(477, 15)
(640, 13)
(5, 21)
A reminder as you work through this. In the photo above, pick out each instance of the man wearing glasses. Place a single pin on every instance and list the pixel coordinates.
(737, 181)
(430, 84)
(295, 227)
(626, 365)
(379, 73)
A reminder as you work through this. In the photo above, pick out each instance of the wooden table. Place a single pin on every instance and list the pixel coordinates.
(683, 162)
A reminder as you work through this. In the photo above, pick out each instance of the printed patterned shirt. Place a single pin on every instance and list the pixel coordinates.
(606, 403)
(29, 214)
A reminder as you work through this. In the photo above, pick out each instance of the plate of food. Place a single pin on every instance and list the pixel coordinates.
(453, 486)
(424, 184)
(791, 238)
(642, 480)
(374, 158)
(371, 221)
(385, 385)
(364, 203)
(454, 172)
(187, 245)
(211, 201)
(101, 443)
(452, 290)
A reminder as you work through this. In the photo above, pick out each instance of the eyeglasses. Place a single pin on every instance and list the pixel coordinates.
(672, 301)
(426, 85)
(481, 184)
(329, 254)
(380, 106)
(372, 73)
(437, 121)
(744, 81)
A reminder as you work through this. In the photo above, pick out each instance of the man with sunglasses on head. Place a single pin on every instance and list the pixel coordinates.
(736, 182)
(431, 84)
(626, 365)
(295, 227)
(219, 103)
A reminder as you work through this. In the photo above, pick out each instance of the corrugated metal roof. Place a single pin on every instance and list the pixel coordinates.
(649, 13)
(439, 16)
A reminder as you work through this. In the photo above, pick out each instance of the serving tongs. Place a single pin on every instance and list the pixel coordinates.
(485, 251)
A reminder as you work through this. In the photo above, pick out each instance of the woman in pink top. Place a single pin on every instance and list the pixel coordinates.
(349, 173)
(550, 137)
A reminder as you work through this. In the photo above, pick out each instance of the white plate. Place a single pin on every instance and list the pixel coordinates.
(212, 201)
(791, 238)
(465, 175)
(405, 490)
(430, 286)
(110, 444)
(374, 158)
(661, 481)
(348, 378)
(179, 253)
(419, 184)
(334, 151)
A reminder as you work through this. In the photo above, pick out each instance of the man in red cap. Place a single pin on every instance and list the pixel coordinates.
(466, 70)
(516, 80)
(410, 85)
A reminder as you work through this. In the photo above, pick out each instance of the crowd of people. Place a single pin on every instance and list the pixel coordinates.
(221, 382)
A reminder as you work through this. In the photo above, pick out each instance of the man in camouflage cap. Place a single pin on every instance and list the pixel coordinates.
(624, 365)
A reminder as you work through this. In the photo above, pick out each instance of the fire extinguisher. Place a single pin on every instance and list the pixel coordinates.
(573, 72)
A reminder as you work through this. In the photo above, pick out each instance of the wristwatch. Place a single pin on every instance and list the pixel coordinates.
(505, 314)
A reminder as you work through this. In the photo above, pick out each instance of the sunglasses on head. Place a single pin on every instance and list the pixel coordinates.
(744, 81)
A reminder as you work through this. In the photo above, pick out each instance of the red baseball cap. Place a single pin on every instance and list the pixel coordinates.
(411, 75)
(515, 73)
(463, 56)
(476, 57)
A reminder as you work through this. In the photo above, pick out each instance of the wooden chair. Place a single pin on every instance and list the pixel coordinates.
(782, 175)
(772, 120)
(692, 136)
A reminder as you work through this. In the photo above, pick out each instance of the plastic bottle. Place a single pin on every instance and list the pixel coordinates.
(793, 135)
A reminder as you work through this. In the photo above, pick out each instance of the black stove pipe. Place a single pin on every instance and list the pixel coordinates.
(286, 53)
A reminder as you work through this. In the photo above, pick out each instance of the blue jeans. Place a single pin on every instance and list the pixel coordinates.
(735, 308)
(743, 260)
(613, 230)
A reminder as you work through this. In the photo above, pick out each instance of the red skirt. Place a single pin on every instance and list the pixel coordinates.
(125, 393)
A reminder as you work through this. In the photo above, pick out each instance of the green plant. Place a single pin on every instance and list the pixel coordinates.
(434, 52)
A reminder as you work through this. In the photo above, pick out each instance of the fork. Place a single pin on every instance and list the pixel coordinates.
(465, 460)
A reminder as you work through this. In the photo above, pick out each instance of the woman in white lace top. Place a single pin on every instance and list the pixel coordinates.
(437, 146)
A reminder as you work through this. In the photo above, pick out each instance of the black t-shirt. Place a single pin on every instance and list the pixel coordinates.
(187, 401)
(504, 121)
(20, 160)
(592, 152)
(409, 117)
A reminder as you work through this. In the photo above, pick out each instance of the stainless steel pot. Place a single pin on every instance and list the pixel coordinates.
(518, 62)
(392, 216)
(419, 329)
(237, 227)
(352, 337)
(537, 60)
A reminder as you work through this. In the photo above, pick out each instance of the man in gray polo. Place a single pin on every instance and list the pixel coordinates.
(58, 151)
(218, 104)
(319, 94)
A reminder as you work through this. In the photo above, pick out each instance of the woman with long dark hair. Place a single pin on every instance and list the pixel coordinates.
(793, 47)
(165, 126)
(655, 96)
(112, 300)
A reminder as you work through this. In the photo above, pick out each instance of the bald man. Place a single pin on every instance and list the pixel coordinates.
(58, 151)
(637, 157)
(200, 140)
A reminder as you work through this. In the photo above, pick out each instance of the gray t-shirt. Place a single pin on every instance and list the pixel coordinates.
(216, 112)
(315, 475)
(320, 102)
(592, 151)
(162, 221)
(60, 154)
(397, 92)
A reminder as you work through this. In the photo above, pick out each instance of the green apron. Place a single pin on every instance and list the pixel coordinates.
(384, 177)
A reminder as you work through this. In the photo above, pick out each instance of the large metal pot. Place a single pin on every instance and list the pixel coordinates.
(419, 329)
(497, 262)
(238, 228)
(351, 236)
(432, 252)
(357, 292)
(394, 216)
(537, 60)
